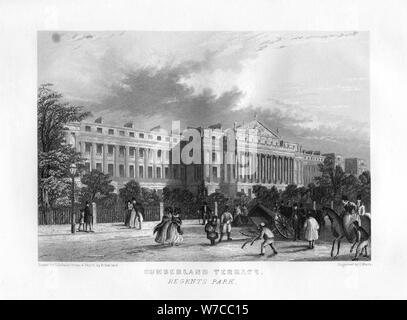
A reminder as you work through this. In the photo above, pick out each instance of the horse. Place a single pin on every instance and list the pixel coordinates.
(343, 227)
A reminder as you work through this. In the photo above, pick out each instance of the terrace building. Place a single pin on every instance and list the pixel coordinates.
(231, 160)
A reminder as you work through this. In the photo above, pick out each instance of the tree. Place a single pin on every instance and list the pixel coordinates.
(267, 197)
(54, 156)
(130, 190)
(97, 185)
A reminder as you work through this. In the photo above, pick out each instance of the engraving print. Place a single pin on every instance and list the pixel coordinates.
(203, 146)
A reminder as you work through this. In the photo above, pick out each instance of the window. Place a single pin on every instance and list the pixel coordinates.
(167, 139)
(131, 151)
(213, 156)
(158, 169)
(175, 140)
(131, 171)
(110, 169)
(213, 140)
(99, 148)
(150, 172)
(141, 152)
(87, 166)
(110, 149)
(121, 170)
(121, 133)
(166, 172)
(99, 130)
(131, 134)
(175, 172)
(141, 172)
(158, 153)
(158, 138)
(122, 151)
(87, 128)
(141, 135)
(215, 172)
(150, 136)
(99, 166)
(110, 131)
(87, 147)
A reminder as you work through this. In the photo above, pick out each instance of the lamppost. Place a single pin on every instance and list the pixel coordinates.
(72, 170)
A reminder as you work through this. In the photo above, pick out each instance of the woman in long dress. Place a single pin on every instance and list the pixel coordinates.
(174, 232)
(162, 228)
(133, 216)
(311, 227)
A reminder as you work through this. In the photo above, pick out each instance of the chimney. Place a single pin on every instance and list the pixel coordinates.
(128, 125)
(99, 120)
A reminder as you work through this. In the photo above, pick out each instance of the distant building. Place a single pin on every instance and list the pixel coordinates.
(355, 166)
(337, 159)
(311, 161)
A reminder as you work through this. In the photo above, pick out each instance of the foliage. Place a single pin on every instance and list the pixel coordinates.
(130, 190)
(97, 186)
(268, 197)
(54, 157)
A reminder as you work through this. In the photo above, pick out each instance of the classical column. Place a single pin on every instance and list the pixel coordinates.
(104, 159)
(280, 169)
(145, 171)
(273, 166)
(93, 157)
(154, 151)
(136, 151)
(126, 162)
(116, 161)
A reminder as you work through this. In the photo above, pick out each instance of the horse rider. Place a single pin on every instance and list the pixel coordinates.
(361, 209)
(348, 206)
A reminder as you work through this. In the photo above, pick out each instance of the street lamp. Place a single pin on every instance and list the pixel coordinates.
(72, 170)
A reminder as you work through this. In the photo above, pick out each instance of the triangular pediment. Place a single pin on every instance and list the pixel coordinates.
(261, 129)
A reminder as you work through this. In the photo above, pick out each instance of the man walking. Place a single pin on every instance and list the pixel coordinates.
(226, 224)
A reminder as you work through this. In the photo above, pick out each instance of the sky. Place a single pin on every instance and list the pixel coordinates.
(311, 86)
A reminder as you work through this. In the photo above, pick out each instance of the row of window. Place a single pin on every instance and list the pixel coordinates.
(121, 172)
(122, 150)
(131, 134)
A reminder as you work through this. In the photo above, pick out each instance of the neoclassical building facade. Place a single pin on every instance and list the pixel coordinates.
(231, 160)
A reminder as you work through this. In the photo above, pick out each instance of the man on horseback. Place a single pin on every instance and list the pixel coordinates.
(348, 206)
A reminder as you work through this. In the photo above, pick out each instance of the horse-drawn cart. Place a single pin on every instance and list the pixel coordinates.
(281, 219)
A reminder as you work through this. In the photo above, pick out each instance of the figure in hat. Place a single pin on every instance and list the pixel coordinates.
(348, 206)
(226, 224)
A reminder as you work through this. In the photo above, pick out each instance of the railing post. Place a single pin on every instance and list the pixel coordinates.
(161, 210)
(94, 213)
(216, 208)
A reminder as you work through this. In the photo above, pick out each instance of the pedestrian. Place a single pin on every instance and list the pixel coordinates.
(139, 214)
(245, 214)
(88, 217)
(210, 229)
(174, 232)
(129, 208)
(133, 214)
(82, 220)
(206, 212)
(226, 224)
(268, 236)
(296, 218)
(162, 227)
(237, 218)
(311, 230)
